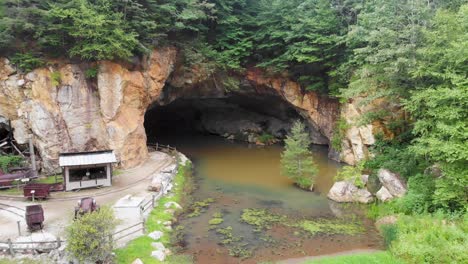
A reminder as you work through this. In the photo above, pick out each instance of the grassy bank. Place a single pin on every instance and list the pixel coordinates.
(367, 258)
(141, 247)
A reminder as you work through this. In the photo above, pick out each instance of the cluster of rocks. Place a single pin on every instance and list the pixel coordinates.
(346, 191)
(162, 181)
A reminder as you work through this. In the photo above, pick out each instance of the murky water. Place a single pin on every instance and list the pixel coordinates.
(238, 176)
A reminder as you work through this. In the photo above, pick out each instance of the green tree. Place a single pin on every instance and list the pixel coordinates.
(439, 105)
(89, 236)
(89, 31)
(297, 162)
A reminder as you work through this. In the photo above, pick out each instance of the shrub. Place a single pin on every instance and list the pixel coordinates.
(26, 62)
(431, 239)
(7, 161)
(339, 133)
(419, 197)
(56, 78)
(89, 237)
(352, 173)
(389, 233)
(92, 72)
(266, 138)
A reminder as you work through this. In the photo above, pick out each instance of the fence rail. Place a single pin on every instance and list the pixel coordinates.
(13, 247)
(161, 147)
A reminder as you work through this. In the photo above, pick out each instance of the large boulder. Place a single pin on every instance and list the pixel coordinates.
(392, 182)
(159, 254)
(160, 181)
(384, 195)
(137, 261)
(345, 192)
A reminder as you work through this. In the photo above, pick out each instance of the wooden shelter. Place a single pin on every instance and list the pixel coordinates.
(87, 169)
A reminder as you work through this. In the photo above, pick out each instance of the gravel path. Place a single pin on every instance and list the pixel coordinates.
(58, 211)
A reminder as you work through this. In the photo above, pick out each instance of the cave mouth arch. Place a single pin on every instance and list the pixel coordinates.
(243, 117)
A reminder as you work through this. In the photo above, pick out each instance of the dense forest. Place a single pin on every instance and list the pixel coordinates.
(413, 53)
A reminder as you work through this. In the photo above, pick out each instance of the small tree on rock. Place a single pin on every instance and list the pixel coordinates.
(296, 160)
(89, 238)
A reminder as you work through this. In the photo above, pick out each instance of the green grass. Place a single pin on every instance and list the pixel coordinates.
(16, 191)
(50, 179)
(362, 258)
(22, 261)
(141, 247)
(12, 191)
(431, 239)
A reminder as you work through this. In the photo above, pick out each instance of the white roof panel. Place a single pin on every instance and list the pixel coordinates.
(87, 158)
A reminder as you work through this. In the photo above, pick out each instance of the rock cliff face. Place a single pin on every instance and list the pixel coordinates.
(64, 111)
(70, 113)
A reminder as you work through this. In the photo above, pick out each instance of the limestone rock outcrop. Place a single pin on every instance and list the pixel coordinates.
(359, 137)
(70, 113)
(65, 111)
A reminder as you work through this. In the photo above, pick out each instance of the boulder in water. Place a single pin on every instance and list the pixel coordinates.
(345, 191)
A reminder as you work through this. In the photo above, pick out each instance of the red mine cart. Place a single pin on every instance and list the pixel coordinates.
(34, 216)
(36, 190)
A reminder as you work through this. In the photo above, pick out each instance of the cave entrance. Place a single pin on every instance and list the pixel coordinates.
(254, 119)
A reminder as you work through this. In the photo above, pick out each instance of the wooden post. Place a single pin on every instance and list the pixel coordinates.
(10, 136)
(143, 223)
(152, 201)
(59, 242)
(10, 247)
(19, 228)
(32, 155)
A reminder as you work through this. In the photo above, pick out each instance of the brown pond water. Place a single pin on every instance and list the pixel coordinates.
(239, 176)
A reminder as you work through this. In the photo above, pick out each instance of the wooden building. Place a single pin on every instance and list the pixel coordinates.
(87, 169)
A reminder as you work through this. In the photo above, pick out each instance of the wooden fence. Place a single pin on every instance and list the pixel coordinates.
(161, 147)
(46, 246)
(13, 247)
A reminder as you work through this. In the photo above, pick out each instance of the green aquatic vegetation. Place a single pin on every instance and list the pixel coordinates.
(199, 207)
(240, 251)
(330, 227)
(217, 219)
(261, 219)
(233, 243)
(227, 235)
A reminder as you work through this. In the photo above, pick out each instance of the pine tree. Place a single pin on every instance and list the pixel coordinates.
(296, 160)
